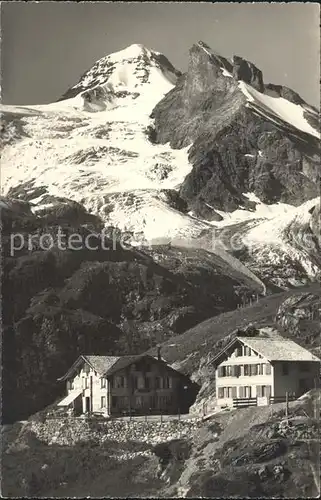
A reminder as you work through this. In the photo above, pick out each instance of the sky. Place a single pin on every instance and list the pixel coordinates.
(46, 46)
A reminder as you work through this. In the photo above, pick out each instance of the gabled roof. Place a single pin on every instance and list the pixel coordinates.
(273, 348)
(278, 349)
(102, 364)
(98, 363)
(124, 361)
(107, 365)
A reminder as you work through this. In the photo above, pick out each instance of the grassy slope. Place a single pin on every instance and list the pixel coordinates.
(200, 340)
(252, 453)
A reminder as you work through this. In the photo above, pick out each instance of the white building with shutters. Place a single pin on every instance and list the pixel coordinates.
(117, 385)
(264, 368)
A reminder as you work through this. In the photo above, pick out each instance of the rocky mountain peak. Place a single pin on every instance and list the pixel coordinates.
(127, 69)
(247, 72)
(201, 54)
(243, 138)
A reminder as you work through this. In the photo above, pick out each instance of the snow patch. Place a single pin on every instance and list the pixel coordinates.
(281, 108)
(226, 73)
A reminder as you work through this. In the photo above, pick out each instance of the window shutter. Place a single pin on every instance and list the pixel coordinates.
(234, 392)
(241, 392)
(268, 369)
(259, 391)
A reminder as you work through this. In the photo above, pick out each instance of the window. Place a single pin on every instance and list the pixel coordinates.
(247, 392)
(86, 383)
(260, 369)
(139, 402)
(246, 369)
(228, 371)
(236, 371)
(123, 402)
(220, 392)
(167, 383)
(285, 369)
(103, 402)
(231, 392)
(153, 401)
(304, 367)
(157, 382)
(120, 381)
(268, 369)
(253, 369)
(140, 382)
(147, 383)
(247, 351)
(238, 351)
(165, 401)
(114, 401)
(103, 383)
(86, 369)
(71, 385)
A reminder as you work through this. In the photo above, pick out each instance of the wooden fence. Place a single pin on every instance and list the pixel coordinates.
(282, 399)
(244, 402)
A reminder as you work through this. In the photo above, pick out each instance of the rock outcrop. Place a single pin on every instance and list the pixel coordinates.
(234, 148)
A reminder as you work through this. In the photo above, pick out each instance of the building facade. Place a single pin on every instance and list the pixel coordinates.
(137, 385)
(265, 369)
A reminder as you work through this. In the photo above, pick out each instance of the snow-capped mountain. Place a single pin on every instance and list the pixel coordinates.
(218, 170)
(164, 154)
(127, 70)
(94, 146)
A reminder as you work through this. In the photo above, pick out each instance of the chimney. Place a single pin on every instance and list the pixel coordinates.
(159, 357)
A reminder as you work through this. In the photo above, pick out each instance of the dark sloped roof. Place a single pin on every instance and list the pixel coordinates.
(279, 349)
(107, 365)
(99, 363)
(102, 364)
(273, 348)
(125, 361)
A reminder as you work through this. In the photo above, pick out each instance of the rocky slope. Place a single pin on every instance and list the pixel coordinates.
(293, 314)
(244, 150)
(283, 253)
(252, 452)
(95, 297)
(243, 164)
(243, 139)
